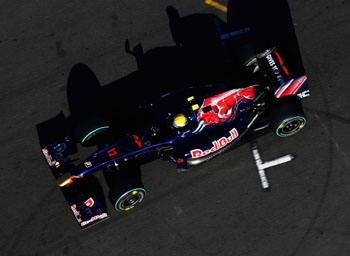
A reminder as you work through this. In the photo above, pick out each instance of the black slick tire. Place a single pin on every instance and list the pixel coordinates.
(126, 188)
(287, 116)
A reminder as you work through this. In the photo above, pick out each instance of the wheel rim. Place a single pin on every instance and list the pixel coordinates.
(130, 199)
(291, 126)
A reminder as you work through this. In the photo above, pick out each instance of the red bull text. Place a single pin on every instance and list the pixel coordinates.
(217, 144)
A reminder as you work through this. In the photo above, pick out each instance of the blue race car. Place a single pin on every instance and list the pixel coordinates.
(186, 125)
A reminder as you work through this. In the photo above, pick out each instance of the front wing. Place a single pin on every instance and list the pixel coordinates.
(85, 196)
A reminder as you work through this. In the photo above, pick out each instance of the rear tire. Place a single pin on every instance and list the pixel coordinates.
(288, 117)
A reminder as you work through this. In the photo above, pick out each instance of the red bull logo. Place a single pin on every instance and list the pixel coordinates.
(218, 144)
(223, 107)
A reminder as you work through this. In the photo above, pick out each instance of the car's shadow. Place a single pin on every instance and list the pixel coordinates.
(199, 56)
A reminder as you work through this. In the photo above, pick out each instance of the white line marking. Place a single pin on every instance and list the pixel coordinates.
(261, 166)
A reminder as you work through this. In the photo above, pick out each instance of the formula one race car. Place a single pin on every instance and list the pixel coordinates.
(187, 127)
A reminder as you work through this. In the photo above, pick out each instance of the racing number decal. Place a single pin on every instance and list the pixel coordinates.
(112, 152)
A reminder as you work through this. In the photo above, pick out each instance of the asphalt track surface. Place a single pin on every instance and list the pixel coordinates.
(216, 209)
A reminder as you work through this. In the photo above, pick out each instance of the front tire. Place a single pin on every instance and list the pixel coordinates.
(126, 188)
(127, 195)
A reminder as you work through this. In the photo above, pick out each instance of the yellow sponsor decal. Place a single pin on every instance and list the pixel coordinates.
(195, 107)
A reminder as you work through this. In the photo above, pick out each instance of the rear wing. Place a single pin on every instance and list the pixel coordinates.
(270, 24)
(282, 83)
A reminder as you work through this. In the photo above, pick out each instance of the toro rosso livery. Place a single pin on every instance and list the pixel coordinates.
(187, 127)
(204, 123)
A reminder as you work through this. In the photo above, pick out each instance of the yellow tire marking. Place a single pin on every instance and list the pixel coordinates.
(216, 5)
